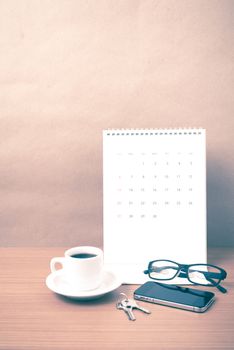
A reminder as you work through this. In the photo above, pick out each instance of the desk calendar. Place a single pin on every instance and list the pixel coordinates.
(154, 199)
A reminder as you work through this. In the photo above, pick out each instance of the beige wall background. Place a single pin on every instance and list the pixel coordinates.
(69, 69)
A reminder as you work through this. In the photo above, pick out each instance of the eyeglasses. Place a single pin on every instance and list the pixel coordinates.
(198, 274)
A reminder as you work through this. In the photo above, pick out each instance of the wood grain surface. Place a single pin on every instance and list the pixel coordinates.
(33, 317)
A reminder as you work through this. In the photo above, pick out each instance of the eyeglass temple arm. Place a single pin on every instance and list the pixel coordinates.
(219, 287)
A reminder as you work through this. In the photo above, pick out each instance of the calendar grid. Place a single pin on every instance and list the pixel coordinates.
(154, 184)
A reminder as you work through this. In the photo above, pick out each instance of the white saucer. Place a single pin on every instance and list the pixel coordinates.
(57, 283)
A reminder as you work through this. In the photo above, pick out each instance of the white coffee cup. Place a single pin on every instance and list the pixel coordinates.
(82, 267)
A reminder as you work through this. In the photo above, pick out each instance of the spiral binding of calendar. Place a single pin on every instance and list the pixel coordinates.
(152, 132)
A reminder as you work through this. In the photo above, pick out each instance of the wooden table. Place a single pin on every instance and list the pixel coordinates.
(33, 317)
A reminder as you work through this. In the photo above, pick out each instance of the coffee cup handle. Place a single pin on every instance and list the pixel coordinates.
(55, 261)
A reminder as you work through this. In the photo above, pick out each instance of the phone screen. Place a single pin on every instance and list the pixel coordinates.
(152, 291)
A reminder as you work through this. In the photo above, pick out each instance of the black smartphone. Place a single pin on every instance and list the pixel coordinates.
(175, 296)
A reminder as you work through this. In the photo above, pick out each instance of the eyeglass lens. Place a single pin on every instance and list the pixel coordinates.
(163, 270)
(204, 274)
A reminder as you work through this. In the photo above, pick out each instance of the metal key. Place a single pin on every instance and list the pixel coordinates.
(128, 305)
(131, 303)
(127, 310)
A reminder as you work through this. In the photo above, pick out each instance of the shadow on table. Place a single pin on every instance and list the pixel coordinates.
(108, 298)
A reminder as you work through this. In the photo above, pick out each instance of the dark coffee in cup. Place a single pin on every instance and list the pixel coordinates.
(83, 256)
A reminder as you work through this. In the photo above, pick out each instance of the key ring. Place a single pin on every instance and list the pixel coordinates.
(125, 298)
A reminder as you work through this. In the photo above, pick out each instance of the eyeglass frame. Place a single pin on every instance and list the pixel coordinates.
(184, 268)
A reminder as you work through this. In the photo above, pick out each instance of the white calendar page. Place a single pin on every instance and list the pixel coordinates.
(154, 192)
